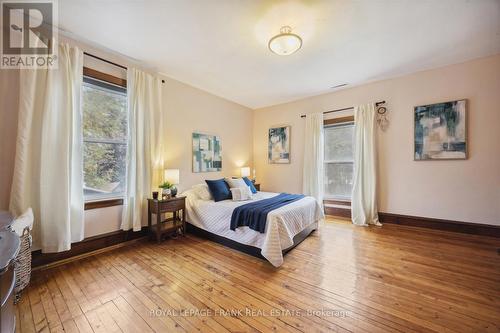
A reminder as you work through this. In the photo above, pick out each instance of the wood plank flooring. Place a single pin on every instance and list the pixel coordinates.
(342, 279)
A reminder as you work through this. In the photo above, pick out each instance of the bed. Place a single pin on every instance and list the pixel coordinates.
(285, 228)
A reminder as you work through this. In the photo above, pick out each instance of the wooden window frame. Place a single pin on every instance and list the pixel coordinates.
(337, 202)
(108, 78)
(339, 120)
(104, 77)
(103, 203)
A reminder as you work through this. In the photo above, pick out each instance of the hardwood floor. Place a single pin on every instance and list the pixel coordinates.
(389, 279)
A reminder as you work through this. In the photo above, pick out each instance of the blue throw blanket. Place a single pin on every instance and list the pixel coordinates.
(254, 214)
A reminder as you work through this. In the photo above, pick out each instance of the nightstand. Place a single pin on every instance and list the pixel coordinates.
(257, 186)
(171, 225)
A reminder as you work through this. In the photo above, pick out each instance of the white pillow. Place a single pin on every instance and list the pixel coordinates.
(22, 222)
(189, 194)
(236, 183)
(241, 193)
(202, 192)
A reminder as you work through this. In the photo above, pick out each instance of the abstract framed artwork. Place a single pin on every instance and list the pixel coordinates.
(441, 131)
(207, 153)
(278, 148)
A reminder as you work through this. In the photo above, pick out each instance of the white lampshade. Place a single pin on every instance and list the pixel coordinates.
(172, 176)
(245, 171)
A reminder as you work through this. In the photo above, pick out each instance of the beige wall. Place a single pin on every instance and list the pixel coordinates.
(456, 190)
(188, 109)
(191, 110)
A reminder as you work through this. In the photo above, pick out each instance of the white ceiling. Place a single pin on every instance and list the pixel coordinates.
(221, 45)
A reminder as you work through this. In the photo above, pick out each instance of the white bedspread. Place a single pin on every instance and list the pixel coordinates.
(281, 226)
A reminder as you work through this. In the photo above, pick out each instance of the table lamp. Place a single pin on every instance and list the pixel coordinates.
(245, 172)
(172, 176)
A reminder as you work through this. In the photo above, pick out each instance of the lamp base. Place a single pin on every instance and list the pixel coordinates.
(173, 191)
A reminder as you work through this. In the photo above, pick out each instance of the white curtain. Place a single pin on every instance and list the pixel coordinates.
(48, 174)
(312, 181)
(364, 191)
(145, 148)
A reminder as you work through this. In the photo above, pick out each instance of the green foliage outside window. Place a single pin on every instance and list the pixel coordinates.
(105, 135)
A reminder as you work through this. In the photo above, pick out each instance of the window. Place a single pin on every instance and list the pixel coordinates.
(339, 160)
(105, 124)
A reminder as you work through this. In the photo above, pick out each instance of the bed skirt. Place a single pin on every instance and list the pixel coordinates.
(248, 249)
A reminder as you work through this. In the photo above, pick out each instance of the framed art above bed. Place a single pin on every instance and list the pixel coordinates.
(207, 153)
(278, 147)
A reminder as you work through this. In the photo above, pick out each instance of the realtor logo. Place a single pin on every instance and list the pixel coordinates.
(29, 34)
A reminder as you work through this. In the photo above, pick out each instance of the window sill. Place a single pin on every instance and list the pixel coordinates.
(103, 203)
(337, 201)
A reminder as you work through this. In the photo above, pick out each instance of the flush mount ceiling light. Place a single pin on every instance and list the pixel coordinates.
(285, 43)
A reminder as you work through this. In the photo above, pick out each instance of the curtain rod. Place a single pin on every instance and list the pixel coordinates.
(109, 62)
(102, 59)
(344, 109)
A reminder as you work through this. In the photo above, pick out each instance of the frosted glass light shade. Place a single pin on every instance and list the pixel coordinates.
(172, 176)
(245, 172)
(285, 43)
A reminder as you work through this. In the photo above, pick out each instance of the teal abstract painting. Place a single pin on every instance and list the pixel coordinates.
(207, 153)
(279, 145)
(441, 131)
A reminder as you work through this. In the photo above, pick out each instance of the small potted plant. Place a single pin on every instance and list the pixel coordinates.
(166, 188)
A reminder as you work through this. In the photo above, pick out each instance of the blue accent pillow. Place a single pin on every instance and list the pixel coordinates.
(250, 183)
(219, 189)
